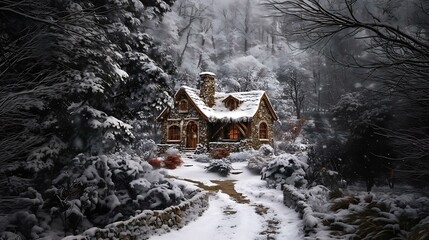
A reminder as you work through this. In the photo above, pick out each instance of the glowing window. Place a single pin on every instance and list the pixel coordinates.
(233, 132)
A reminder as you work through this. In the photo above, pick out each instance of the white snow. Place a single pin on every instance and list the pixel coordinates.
(249, 104)
(215, 224)
(207, 73)
(228, 219)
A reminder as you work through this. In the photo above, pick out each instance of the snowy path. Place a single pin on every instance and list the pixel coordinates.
(255, 212)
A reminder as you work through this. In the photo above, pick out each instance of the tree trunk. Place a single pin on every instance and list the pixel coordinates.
(180, 61)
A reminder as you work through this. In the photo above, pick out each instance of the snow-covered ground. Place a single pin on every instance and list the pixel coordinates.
(261, 216)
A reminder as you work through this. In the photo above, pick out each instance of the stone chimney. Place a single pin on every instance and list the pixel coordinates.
(207, 88)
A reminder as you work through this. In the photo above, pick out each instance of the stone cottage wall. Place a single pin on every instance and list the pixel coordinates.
(149, 223)
(263, 114)
(232, 146)
(182, 119)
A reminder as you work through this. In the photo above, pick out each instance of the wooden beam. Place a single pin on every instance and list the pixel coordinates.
(245, 129)
(219, 130)
(241, 129)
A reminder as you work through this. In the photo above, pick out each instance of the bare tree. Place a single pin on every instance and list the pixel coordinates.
(396, 49)
(395, 54)
(295, 90)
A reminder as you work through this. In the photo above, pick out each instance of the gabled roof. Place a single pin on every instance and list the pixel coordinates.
(230, 96)
(249, 105)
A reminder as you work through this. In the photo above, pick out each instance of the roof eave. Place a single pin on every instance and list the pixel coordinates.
(192, 102)
(270, 107)
(161, 115)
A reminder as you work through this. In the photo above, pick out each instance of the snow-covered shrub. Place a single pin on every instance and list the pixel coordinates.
(420, 230)
(292, 147)
(24, 223)
(201, 149)
(202, 158)
(96, 190)
(317, 198)
(328, 154)
(285, 169)
(172, 161)
(172, 150)
(219, 153)
(160, 195)
(155, 163)
(381, 216)
(221, 166)
(343, 202)
(144, 148)
(266, 150)
(240, 156)
(257, 162)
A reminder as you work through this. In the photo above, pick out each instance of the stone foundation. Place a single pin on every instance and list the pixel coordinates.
(232, 146)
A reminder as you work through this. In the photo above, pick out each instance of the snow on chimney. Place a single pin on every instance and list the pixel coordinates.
(207, 88)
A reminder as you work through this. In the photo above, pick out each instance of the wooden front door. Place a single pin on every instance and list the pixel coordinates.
(192, 135)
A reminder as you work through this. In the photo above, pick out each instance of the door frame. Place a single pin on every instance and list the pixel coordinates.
(189, 134)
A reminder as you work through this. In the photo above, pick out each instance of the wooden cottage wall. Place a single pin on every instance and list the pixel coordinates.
(263, 115)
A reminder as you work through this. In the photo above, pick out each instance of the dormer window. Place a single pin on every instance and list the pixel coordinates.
(183, 106)
(231, 103)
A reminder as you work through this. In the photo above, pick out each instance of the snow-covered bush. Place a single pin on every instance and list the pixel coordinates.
(257, 163)
(144, 148)
(328, 154)
(94, 191)
(285, 169)
(379, 216)
(221, 166)
(156, 163)
(202, 158)
(317, 198)
(201, 149)
(266, 150)
(172, 161)
(240, 156)
(219, 153)
(293, 147)
(172, 150)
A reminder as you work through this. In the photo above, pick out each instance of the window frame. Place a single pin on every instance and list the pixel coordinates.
(180, 106)
(263, 130)
(235, 132)
(176, 134)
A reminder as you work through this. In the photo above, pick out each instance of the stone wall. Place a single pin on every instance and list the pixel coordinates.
(149, 222)
(232, 146)
(182, 119)
(263, 115)
(295, 200)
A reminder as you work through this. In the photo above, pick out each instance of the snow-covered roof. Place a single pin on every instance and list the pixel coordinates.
(249, 104)
(207, 73)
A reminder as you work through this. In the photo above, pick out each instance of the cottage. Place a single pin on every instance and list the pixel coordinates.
(216, 119)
